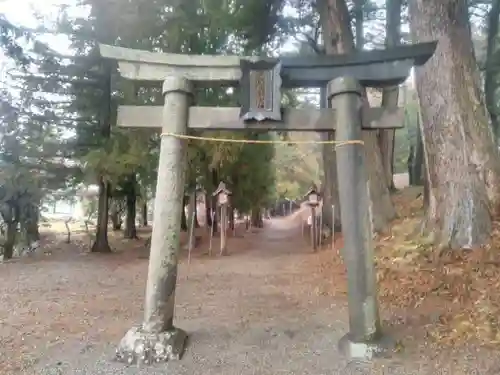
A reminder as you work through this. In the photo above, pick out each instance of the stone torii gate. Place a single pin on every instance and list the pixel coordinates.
(260, 82)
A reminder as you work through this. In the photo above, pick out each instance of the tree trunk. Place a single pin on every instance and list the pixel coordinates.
(231, 218)
(216, 217)
(32, 232)
(114, 215)
(101, 244)
(386, 139)
(418, 159)
(257, 218)
(425, 182)
(409, 165)
(31, 225)
(336, 23)
(462, 162)
(10, 241)
(208, 210)
(390, 95)
(130, 231)
(184, 224)
(359, 23)
(330, 189)
(215, 182)
(329, 183)
(191, 209)
(196, 222)
(191, 219)
(144, 212)
(380, 198)
(492, 79)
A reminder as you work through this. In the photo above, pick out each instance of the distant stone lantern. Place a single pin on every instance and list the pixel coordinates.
(222, 194)
(313, 198)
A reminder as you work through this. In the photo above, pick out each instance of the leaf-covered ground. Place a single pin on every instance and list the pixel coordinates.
(449, 298)
(270, 307)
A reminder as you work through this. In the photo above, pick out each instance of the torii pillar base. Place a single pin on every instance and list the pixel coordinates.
(145, 347)
(379, 347)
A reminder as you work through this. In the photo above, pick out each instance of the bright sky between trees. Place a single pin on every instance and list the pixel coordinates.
(23, 12)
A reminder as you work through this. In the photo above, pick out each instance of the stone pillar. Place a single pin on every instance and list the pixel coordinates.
(363, 339)
(157, 339)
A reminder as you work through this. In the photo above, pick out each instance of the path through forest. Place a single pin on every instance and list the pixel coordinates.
(256, 311)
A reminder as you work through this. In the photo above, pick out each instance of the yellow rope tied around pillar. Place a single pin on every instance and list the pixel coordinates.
(261, 141)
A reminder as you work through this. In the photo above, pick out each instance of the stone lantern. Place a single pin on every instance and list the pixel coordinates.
(222, 194)
(313, 199)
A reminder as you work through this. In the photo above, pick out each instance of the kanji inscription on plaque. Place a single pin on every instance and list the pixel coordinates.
(260, 93)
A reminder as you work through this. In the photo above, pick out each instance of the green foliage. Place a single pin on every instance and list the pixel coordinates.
(122, 154)
(258, 21)
(90, 208)
(32, 150)
(297, 167)
(187, 31)
(92, 93)
(10, 41)
(19, 190)
(252, 176)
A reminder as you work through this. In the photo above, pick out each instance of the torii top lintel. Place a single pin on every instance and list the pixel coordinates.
(375, 68)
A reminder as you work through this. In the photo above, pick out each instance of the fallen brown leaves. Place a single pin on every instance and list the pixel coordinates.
(453, 298)
(63, 294)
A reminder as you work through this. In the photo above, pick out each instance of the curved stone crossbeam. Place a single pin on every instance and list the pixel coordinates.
(153, 66)
(376, 68)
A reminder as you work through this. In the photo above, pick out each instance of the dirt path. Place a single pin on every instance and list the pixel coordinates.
(254, 312)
